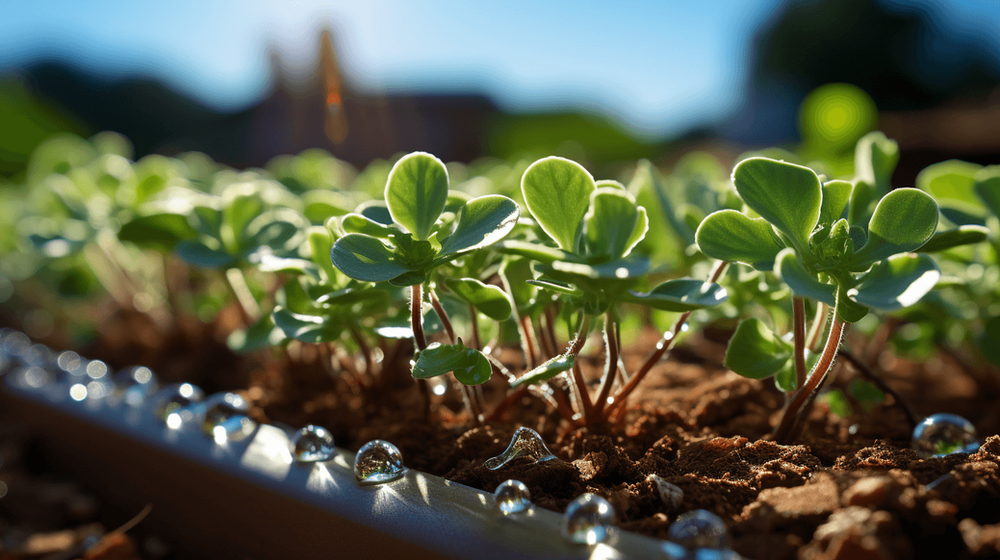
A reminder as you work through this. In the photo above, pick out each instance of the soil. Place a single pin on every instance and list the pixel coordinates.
(849, 488)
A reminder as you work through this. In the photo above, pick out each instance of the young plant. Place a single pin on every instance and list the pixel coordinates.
(806, 235)
(595, 226)
(421, 237)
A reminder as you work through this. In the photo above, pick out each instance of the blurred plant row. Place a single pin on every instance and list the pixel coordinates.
(463, 260)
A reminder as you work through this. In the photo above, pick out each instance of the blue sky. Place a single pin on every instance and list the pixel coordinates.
(658, 66)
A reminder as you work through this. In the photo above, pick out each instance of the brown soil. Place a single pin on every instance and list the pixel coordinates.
(850, 488)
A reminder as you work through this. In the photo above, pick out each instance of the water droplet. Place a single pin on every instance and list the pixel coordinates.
(31, 377)
(68, 360)
(526, 442)
(133, 385)
(226, 418)
(377, 462)
(16, 343)
(589, 519)
(853, 429)
(942, 434)
(38, 355)
(512, 496)
(699, 529)
(312, 444)
(438, 385)
(174, 402)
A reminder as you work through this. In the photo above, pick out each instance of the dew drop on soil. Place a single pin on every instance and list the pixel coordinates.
(526, 442)
(699, 529)
(312, 444)
(589, 519)
(133, 385)
(174, 403)
(512, 496)
(942, 434)
(378, 461)
(226, 418)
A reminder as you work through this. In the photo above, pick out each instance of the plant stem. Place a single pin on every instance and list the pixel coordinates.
(799, 336)
(611, 363)
(819, 321)
(662, 347)
(528, 341)
(877, 380)
(550, 330)
(442, 315)
(473, 318)
(239, 289)
(417, 317)
(791, 416)
(581, 385)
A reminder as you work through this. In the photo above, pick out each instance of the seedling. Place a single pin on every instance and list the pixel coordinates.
(418, 238)
(811, 235)
(595, 227)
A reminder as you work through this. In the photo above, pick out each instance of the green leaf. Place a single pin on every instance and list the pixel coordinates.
(837, 401)
(788, 196)
(307, 328)
(802, 283)
(555, 286)
(241, 204)
(681, 294)
(469, 365)
(875, 159)
(557, 193)
(545, 371)
(264, 334)
(962, 235)
(353, 295)
(160, 231)
(269, 262)
(480, 222)
(904, 220)
(356, 223)
(409, 278)
(535, 251)
(755, 352)
(280, 229)
(731, 236)
(952, 183)
(515, 273)
(416, 192)
(848, 310)
(488, 300)
(611, 223)
(899, 281)
(199, 255)
(320, 245)
(988, 188)
(836, 196)
(365, 258)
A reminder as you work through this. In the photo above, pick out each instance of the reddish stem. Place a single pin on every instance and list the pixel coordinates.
(788, 421)
(610, 367)
(799, 334)
(662, 347)
(528, 338)
(442, 315)
(417, 317)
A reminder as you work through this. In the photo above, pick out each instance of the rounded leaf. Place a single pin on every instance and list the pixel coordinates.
(903, 221)
(480, 222)
(899, 281)
(612, 221)
(681, 294)
(488, 300)
(546, 371)
(557, 193)
(469, 365)
(416, 192)
(365, 258)
(755, 351)
(788, 196)
(306, 328)
(730, 236)
(801, 281)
